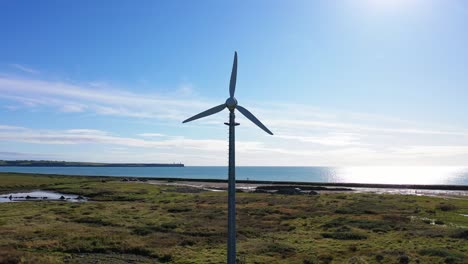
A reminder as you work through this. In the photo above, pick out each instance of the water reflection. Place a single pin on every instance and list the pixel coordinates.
(369, 174)
(402, 175)
(40, 196)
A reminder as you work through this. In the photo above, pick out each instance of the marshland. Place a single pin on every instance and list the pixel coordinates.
(138, 222)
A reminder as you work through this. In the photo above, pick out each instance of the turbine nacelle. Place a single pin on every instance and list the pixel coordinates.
(231, 103)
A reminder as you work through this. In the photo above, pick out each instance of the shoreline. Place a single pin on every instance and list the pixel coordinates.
(325, 184)
(322, 189)
(262, 182)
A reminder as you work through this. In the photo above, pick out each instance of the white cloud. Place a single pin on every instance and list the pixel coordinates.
(185, 90)
(91, 136)
(10, 155)
(73, 108)
(304, 135)
(5, 127)
(151, 135)
(24, 68)
(432, 151)
(334, 139)
(356, 127)
(101, 100)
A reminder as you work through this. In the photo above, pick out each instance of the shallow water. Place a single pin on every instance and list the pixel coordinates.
(370, 174)
(39, 195)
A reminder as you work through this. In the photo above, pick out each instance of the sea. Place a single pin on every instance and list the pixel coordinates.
(365, 174)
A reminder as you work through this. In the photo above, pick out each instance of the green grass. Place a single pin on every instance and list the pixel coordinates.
(143, 223)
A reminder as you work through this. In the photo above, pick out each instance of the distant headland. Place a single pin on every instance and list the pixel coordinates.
(53, 163)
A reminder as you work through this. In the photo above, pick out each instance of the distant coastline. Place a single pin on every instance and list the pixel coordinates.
(51, 163)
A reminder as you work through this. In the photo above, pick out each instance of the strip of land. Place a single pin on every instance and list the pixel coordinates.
(52, 163)
(214, 182)
(311, 188)
(288, 187)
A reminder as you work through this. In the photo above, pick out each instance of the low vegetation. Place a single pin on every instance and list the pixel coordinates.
(144, 223)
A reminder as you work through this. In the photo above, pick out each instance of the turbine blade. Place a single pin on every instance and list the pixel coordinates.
(252, 118)
(232, 84)
(208, 112)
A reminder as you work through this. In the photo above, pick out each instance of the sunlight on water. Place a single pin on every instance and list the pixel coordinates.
(385, 175)
(401, 175)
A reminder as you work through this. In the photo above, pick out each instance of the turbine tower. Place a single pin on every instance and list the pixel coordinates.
(231, 105)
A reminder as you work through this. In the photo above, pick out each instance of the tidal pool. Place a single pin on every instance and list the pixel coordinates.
(39, 195)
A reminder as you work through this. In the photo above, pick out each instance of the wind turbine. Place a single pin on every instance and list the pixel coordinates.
(231, 105)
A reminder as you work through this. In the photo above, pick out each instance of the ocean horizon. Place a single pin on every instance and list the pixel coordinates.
(426, 175)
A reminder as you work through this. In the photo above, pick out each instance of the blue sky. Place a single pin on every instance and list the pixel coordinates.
(354, 82)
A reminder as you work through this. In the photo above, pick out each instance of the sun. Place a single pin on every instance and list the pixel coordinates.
(390, 5)
(385, 9)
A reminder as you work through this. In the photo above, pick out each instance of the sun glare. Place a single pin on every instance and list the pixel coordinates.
(391, 5)
(398, 175)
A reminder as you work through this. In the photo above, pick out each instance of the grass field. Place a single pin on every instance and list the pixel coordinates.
(142, 223)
